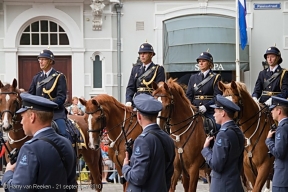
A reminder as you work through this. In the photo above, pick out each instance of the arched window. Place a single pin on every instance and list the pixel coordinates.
(44, 32)
(97, 72)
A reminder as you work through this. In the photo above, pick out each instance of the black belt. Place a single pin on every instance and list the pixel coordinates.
(270, 93)
(204, 97)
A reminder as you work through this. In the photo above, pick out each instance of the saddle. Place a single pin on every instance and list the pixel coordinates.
(73, 131)
(209, 125)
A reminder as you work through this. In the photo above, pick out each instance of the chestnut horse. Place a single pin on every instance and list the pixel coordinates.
(10, 102)
(186, 130)
(104, 111)
(255, 121)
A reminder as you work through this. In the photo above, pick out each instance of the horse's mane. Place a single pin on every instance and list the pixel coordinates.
(104, 98)
(175, 87)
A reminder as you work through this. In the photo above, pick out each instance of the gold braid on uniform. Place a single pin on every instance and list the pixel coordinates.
(52, 88)
(215, 79)
(281, 79)
(151, 80)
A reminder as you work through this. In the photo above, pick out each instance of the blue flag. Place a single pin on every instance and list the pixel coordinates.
(242, 23)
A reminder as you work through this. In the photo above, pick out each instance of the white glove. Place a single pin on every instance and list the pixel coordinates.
(128, 104)
(255, 99)
(268, 102)
(202, 109)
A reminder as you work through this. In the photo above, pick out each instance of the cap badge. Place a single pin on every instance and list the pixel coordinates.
(202, 54)
(142, 46)
(269, 49)
(42, 52)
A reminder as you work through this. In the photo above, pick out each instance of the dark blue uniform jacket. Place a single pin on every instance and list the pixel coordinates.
(148, 170)
(58, 93)
(210, 88)
(136, 72)
(273, 87)
(39, 165)
(226, 159)
(278, 146)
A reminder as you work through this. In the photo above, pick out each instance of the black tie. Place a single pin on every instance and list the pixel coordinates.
(45, 76)
(202, 76)
(271, 73)
(143, 69)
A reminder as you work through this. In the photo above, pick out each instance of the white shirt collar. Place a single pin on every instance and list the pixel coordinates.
(274, 69)
(146, 66)
(48, 72)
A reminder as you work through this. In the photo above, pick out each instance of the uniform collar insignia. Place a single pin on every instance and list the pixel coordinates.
(278, 137)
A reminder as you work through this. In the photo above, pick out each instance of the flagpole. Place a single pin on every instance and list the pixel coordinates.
(237, 62)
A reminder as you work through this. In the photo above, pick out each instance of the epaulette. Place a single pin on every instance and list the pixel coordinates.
(143, 134)
(30, 141)
(224, 129)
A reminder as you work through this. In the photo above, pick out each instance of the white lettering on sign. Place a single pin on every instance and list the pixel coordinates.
(217, 66)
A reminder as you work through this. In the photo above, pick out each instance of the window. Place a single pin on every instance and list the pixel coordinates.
(97, 72)
(44, 32)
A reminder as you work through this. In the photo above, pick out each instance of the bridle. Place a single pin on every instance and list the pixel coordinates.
(171, 107)
(102, 118)
(13, 114)
(167, 119)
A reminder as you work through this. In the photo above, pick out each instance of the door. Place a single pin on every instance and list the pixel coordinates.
(28, 67)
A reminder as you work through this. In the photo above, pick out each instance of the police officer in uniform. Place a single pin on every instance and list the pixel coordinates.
(272, 81)
(226, 157)
(151, 165)
(278, 144)
(143, 75)
(203, 86)
(34, 171)
(51, 84)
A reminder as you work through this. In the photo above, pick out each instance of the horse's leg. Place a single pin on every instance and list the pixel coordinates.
(263, 173)
(93, 160)
(249, 173)
(185, 180)
(176, 173)
(194, 175)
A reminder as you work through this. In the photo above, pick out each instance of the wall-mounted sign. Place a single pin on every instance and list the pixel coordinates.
(267, 6)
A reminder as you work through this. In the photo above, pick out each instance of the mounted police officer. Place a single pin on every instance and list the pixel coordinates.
(51, 84)
(33, 170)
(272, 81)
(278, 144)
(203, 86)
(151, 164)
(142, 75)
(226, 157)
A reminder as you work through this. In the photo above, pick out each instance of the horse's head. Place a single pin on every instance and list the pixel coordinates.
(96, 119)
(163, 94)
(231, 90)
(10, 102)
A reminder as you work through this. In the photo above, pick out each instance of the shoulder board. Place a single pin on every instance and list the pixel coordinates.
(223, 129)
(143, 134)
(31, 141)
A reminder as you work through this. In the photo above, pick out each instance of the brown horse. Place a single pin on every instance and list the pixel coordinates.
(10, 102)
(104, 111)
(255, 121)
(10, 123)
(186, 131)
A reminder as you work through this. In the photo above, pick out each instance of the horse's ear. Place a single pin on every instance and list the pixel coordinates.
(154, 85)
(166, 86)
(14, 83)
(94, 102)
(1, 84)
(221, 86)
(233, 85)
(83, 101)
